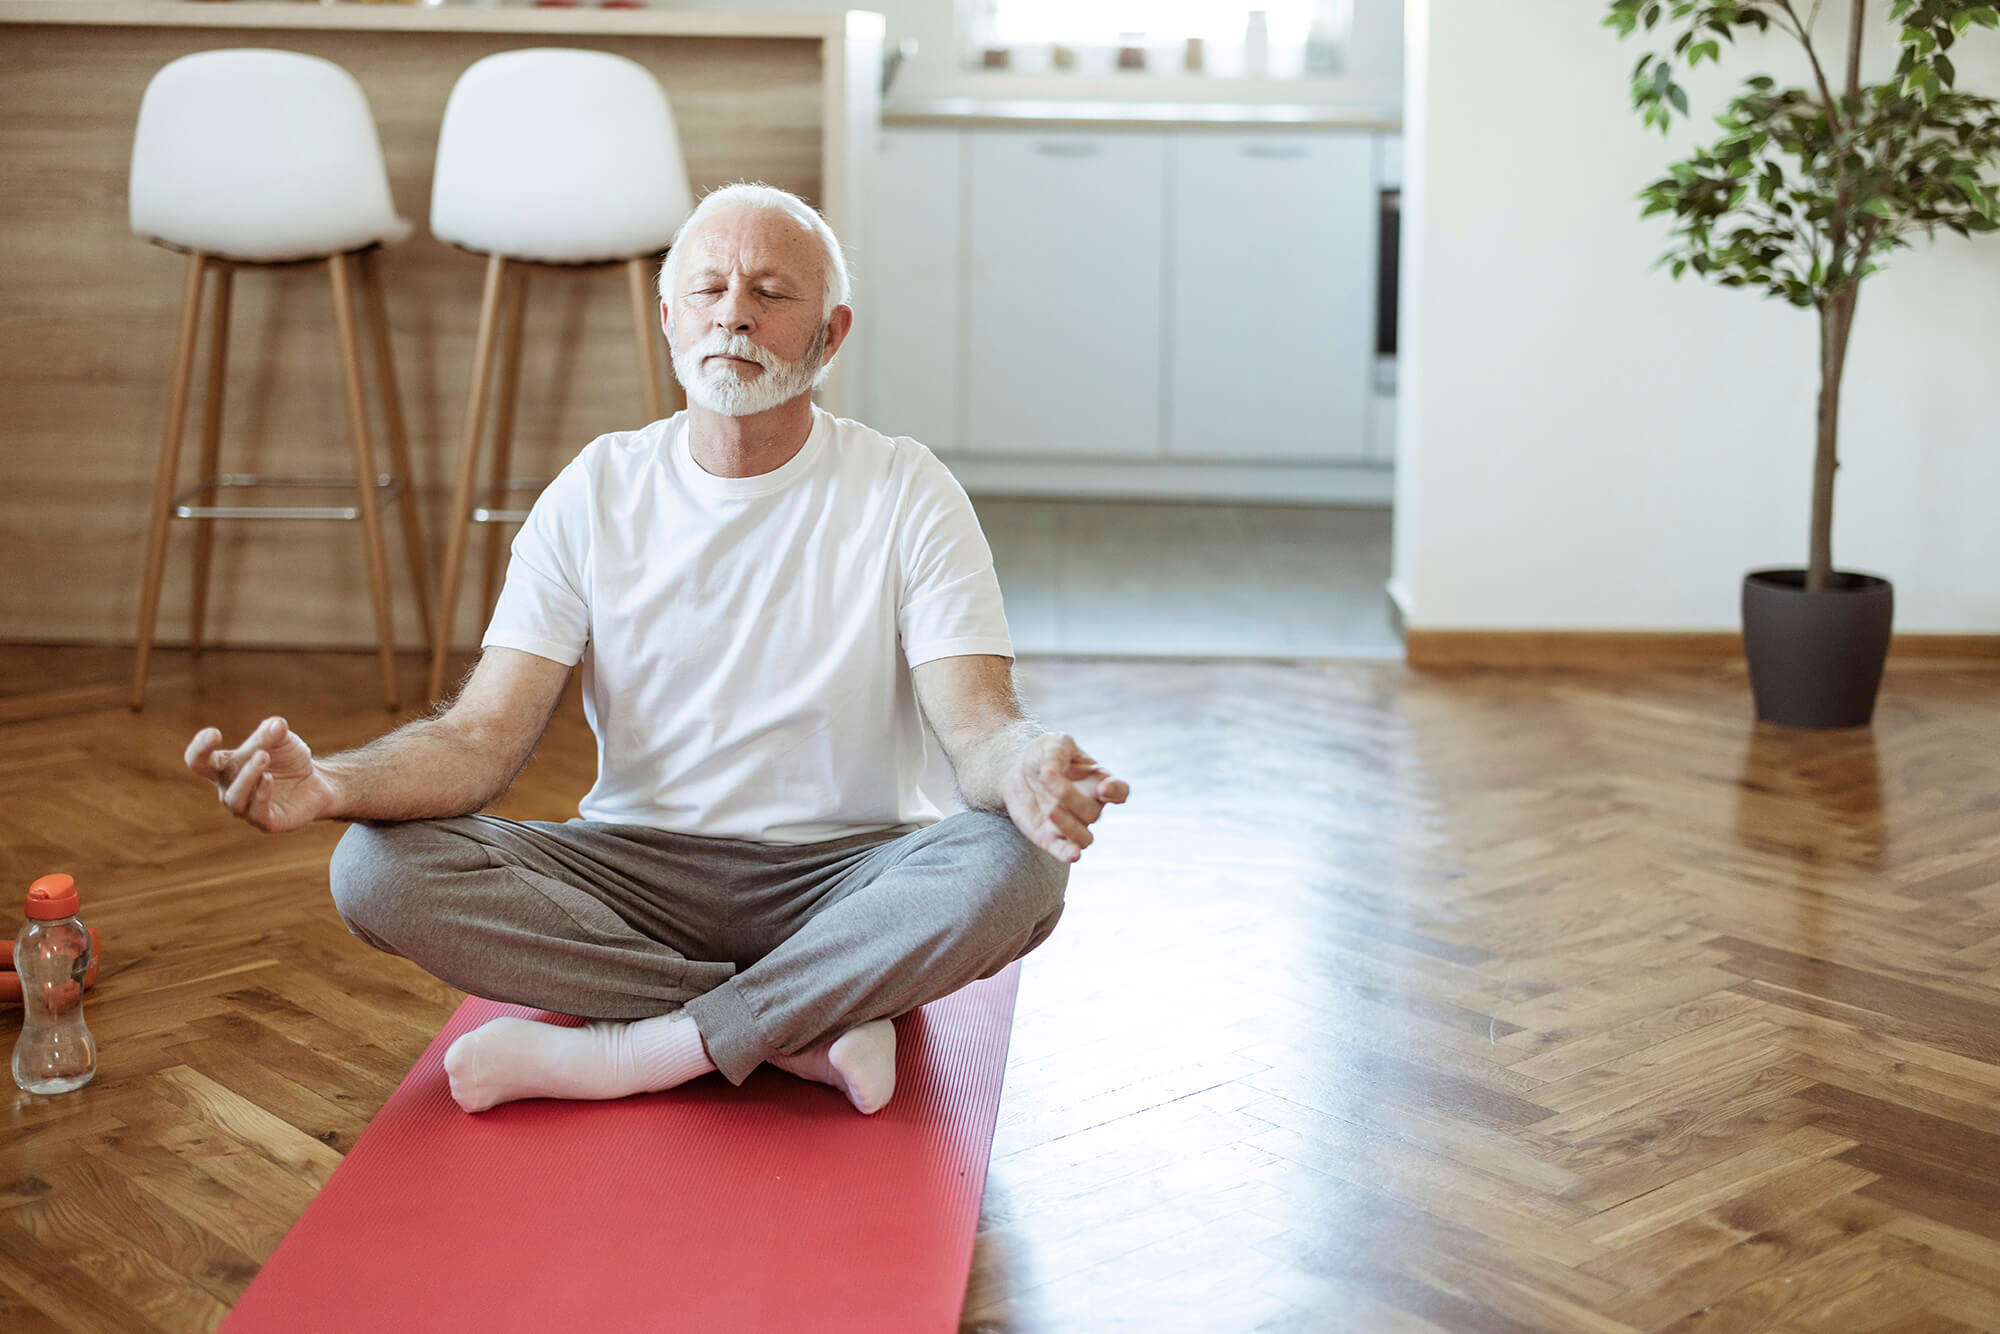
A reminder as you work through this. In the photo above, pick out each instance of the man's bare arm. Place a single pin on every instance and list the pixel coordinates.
(1006, 762)
(452, 763)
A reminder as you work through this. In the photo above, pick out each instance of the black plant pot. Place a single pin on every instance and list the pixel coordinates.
(1816, 658)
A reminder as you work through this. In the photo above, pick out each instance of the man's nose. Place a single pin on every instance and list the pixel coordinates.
(733, 313)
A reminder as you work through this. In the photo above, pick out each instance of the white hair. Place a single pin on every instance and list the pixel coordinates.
(770, 199)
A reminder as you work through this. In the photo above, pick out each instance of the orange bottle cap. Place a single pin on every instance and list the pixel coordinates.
(53, 896)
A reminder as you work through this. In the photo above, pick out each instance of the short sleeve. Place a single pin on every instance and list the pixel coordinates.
(544, 606)
(950, 602)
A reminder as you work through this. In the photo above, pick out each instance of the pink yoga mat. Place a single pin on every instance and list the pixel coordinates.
(774, 1206)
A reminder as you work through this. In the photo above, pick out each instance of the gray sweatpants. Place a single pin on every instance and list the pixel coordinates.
(771, 948)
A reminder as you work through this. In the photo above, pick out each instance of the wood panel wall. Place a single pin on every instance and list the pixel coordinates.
(88, 314)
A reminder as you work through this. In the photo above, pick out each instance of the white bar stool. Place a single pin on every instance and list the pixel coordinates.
(259, 158)
(558, 158)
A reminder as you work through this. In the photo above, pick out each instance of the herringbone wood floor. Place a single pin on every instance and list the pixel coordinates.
(1392, 1001)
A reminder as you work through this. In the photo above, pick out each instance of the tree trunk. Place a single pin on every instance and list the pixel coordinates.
(1836, 321)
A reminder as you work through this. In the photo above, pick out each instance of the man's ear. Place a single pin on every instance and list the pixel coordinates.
(664, 326)
(838, 325)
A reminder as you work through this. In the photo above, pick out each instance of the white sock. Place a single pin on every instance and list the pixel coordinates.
(860, 1063)
(509, 1058)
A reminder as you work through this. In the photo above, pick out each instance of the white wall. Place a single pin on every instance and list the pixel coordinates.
(1587, 444)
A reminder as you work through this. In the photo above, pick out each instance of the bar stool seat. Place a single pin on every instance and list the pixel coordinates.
(547, 157)
(559, 156)
(253, 157)
(261, 157)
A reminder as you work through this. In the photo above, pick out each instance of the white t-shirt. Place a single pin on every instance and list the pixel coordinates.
(747, 641)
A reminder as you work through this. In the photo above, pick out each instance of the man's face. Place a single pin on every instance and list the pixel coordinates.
(744, 325)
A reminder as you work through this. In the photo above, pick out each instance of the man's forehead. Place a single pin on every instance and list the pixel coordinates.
(761, 241)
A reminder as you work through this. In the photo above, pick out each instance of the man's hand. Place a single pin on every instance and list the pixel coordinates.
(1056, 791)
(269, 781)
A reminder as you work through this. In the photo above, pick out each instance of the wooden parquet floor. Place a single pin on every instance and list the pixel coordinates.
(1392, 1001)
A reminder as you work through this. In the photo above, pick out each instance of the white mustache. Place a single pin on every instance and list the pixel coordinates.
(732, 345)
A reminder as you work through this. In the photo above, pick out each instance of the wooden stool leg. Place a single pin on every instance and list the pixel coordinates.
(459, 517)
(645, 313)
(364, 469)
(503, 427)
(163, 485)
(211, 449)
(399, 443)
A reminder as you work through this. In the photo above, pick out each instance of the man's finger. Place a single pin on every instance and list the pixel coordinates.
(258, 809)
(229, 763)
(204, 744)
(262, 737)
(1069, 827)
(1102, 788)
(1079, 802)
(1069, 796)
(1055, 844)
(237, 797)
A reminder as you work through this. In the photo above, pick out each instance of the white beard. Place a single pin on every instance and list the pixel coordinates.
(722, 389)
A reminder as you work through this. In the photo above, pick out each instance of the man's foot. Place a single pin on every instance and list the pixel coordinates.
(508, 1058)
(860, 1063)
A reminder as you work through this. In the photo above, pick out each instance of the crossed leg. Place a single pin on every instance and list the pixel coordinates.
(838, 939)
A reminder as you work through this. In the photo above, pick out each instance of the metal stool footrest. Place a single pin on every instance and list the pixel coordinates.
(387, 486)
(492, 512)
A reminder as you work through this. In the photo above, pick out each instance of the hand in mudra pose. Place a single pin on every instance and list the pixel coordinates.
(1055, 791)
(270, 781)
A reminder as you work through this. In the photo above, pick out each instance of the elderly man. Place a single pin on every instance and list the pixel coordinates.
(762, 596)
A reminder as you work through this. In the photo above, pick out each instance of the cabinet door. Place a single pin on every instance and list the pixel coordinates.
(1272, 317)
(1063, 305)
(910, 301)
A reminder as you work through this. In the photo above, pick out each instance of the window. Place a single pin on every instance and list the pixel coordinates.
(1102, 36)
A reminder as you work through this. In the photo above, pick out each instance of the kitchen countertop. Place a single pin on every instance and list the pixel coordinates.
(444, 18)
(967, 112)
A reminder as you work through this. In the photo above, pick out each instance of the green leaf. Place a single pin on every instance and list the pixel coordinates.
(1678, 97)
(1881, 208)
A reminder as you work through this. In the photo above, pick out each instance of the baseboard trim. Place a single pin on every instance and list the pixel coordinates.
(1399, 608)
(1638, 648)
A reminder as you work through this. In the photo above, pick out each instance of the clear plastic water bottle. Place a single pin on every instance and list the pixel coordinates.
(52, 957)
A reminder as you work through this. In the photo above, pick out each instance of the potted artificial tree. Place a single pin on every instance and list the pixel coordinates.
(1802, 197)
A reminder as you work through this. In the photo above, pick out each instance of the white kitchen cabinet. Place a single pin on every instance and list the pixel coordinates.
(910, 303)
(1064, 294)
(1271, 321)
(1184, 313)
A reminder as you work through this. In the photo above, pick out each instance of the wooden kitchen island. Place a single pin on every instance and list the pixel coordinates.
(90, 310)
